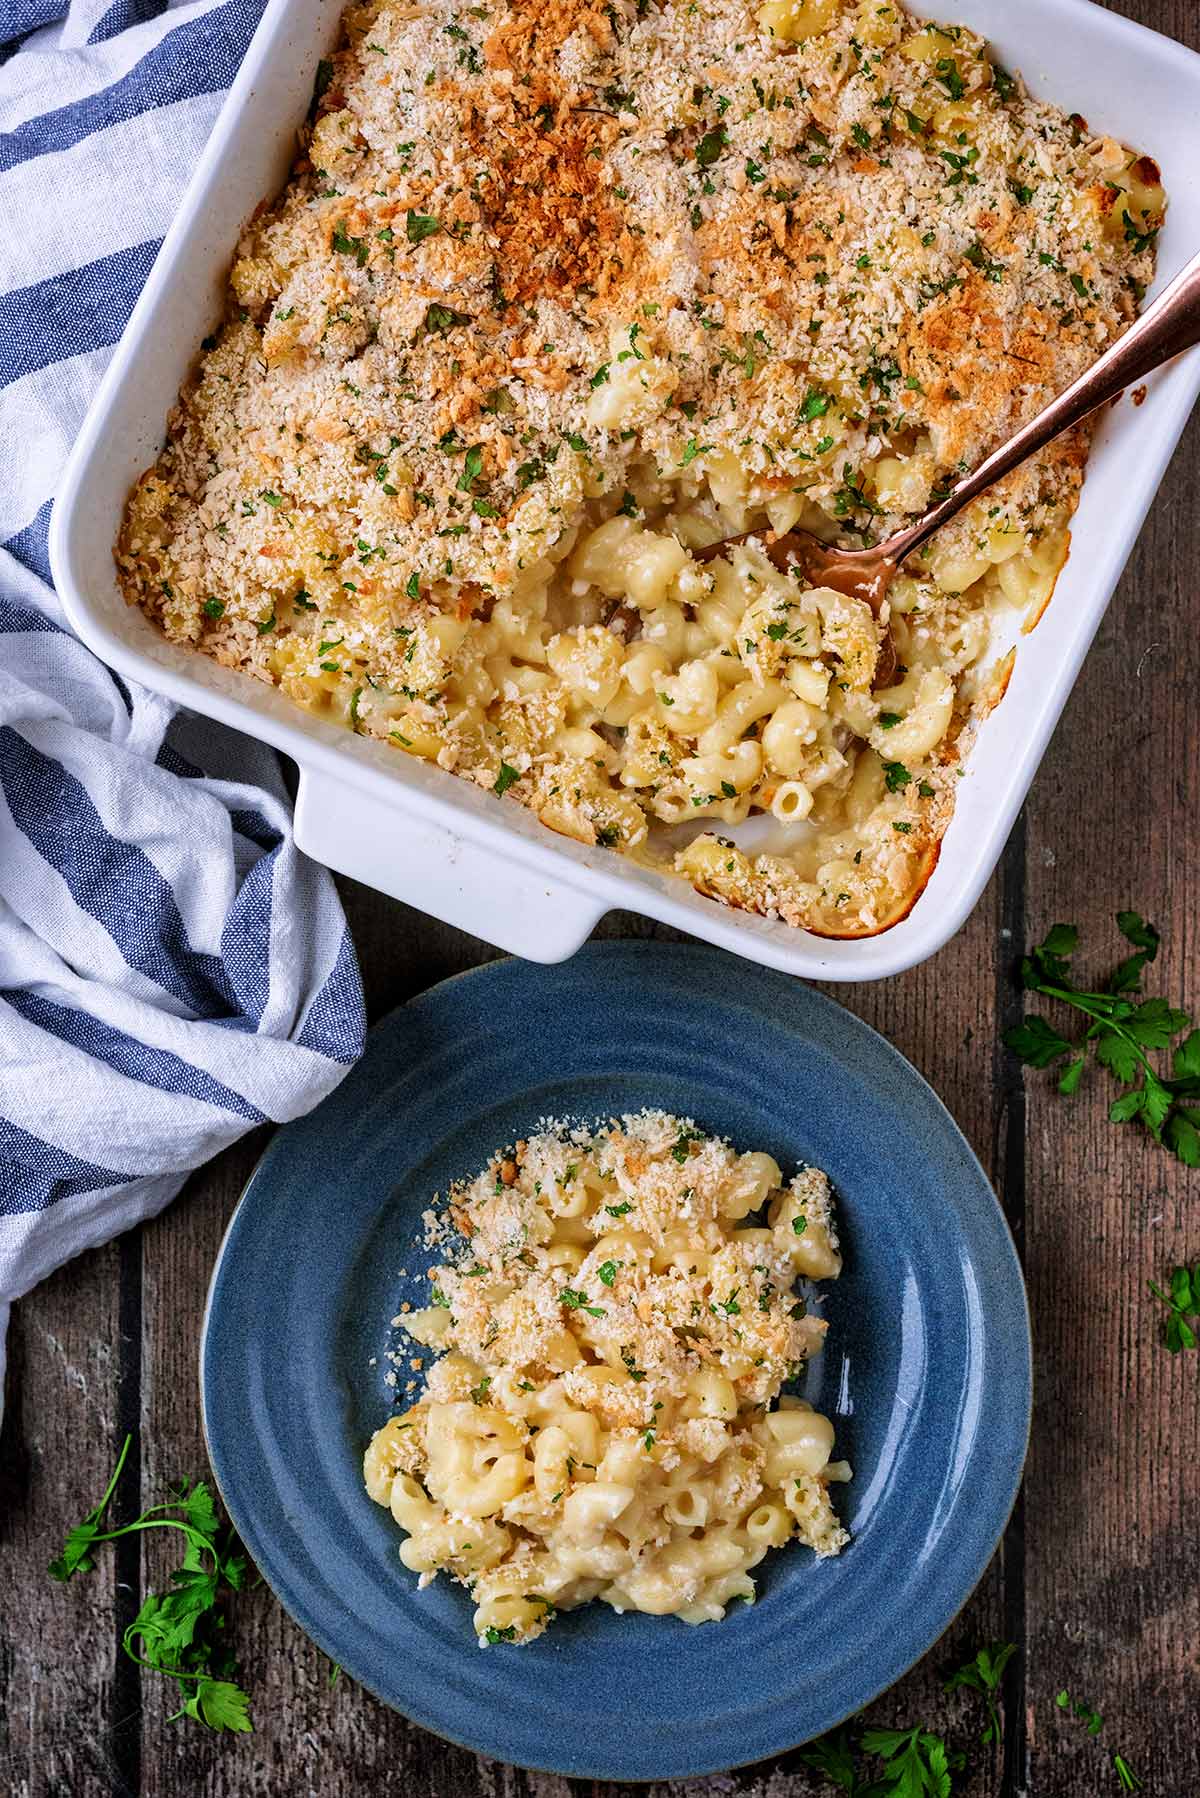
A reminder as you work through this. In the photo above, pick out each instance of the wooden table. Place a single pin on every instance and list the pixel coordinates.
(1098, 1577)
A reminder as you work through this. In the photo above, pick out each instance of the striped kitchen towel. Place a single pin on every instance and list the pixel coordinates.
(172, 969)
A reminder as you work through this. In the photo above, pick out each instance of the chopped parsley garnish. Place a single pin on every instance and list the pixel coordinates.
(350, 246)
(577, 1301)
(711, 145)
(950, 78)
(444, 318)
(420, 225)
(505, 778)
(895, 776)
(472, 468)
(680, 1149)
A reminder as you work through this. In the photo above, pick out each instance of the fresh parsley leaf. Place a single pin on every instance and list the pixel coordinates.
(219, 1704)
(505, 778)
(420, 225)
(1181, 1132)
(1182, 1302)
(1119, 1056)
(917, 1762)
(200, 1509)
(983, 1674)
(1037, 1043)
(1136, 930)
(1071, 1076)
(833, 1757)
(895, 776)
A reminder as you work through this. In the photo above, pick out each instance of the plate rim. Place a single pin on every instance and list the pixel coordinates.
(650, 949)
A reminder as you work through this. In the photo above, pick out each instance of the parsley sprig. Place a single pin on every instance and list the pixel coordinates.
(1182, 1301)
(983, 1675)
(916, 1763)
(1124, 1029)
(179, 1632)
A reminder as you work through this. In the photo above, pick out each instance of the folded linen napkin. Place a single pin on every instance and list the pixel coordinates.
(172, 969)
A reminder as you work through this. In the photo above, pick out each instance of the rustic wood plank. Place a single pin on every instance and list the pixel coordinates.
(62, 1428)
(1113, 1486)
(1114, 1480)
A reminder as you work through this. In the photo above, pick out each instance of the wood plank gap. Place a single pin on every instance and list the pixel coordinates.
(1010, 1084)
(125, 1714)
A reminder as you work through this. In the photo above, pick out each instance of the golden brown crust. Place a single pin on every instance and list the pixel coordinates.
(549, 260)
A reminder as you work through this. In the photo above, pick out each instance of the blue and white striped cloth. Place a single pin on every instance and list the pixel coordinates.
(172, 970)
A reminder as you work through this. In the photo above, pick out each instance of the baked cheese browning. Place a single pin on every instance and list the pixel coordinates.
(614, 1323)
(558, 292)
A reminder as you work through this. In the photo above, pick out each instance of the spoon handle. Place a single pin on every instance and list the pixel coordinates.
(1167, 328)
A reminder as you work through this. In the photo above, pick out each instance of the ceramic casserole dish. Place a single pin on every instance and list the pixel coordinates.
(440, 843)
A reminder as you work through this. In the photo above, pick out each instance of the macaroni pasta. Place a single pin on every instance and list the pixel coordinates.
(558, 294)
(602, 1422)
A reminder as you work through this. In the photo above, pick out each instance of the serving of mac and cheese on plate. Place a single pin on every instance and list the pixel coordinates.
(614, 1323)
(558, 293)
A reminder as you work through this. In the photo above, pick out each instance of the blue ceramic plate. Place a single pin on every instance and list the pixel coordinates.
(926, 1368)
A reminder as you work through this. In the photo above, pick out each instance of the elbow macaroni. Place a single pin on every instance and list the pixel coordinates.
(443, 469)
(613, 1336)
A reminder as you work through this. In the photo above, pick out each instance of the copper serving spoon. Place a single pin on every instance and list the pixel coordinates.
(1167, 328)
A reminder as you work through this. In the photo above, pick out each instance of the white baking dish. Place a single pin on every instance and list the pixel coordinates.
(438, 842)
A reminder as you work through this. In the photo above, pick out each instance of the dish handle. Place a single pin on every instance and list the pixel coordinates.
(440, 872)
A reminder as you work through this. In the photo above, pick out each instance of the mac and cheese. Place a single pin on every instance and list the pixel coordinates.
(604, 1418)
(557, 294)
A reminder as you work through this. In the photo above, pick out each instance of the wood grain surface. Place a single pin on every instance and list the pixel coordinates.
(1098, 1578)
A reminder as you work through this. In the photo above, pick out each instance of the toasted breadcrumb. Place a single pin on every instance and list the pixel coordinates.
(546, 261)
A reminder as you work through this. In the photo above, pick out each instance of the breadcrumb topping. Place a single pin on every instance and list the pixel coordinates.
(544, 261)
(616, 1315)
